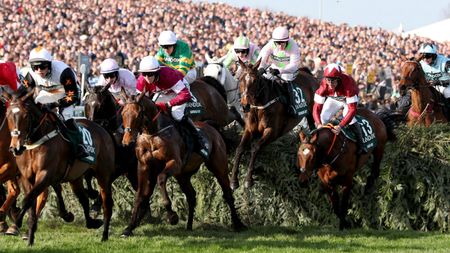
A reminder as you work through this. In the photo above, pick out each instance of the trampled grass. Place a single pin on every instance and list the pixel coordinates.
(55, 236)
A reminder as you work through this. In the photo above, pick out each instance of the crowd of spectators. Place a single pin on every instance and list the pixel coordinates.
(128, 30)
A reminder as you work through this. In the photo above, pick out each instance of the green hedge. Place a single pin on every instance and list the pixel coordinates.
(412, 192)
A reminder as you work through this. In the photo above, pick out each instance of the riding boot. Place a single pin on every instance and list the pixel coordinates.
(359, 138)
(201, 141)
(291, 97)
(81, 150)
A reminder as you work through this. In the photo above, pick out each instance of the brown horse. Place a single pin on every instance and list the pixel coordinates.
(162, 152)
(45, 158)
(426, 102)
(266, 117)
(335, 159)
(9, 174)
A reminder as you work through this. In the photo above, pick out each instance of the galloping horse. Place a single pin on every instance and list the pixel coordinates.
(162, 152)
(101, 107)
(44, 158)
(215, 69)
(335, 159)
(426, 102)
(9, 173)
(266, 116)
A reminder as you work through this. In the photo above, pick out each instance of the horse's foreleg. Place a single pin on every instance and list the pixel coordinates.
(188, 189)
(375, 169)
(78, 189)
(343, 223)
(105, 191)
(13, 193)
(146, 185)
(162, 182)
(245, 140)
(266, 138)
(41, 201)
(32, 222)
(63, 213)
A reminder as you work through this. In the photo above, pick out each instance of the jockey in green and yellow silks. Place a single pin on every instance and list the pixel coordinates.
(176, 54)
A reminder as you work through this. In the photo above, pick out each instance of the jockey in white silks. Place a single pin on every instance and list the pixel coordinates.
(281, 56)
(117, 78)
(242, 50)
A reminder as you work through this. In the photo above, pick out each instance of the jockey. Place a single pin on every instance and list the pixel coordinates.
(172, 94)
(244, 50)
(117, 78)
(176, 54)
(437, 69)
(282, 55)
(56, 84)
(338, 90)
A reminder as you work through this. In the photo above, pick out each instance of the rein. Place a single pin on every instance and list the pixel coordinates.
(330, 126)
(262, 107)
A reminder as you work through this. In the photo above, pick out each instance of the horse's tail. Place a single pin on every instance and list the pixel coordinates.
(390, 121)
(216, 84)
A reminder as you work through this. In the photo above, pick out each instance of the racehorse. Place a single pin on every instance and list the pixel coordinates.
(266, 117)
(44, 157)
(426, 102)
(215, 69)
(335, 160)
(9, 174)
(163, 151)
(102, 107)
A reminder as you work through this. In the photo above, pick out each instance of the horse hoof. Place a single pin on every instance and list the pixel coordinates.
(126, 234)
(234, 185)
(3, 227)
(94, 224)
(248, 184)
(68, 217)
(13, 230)
(104, 238)
(173, 219)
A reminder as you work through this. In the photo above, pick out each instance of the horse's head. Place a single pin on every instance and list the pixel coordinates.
(248, 83)
(214, 68)
(100, 104)
(22, 116)
(411, 75)
(132, 116)
(306, 157)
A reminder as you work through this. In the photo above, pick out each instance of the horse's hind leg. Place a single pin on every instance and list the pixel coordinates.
(346, 189)
(245, 140)
(162, 183)
(78, 189)
(105, 190)
(32, 223)
(220, 171)
(63, 213)
(375, 169)
(188, 189)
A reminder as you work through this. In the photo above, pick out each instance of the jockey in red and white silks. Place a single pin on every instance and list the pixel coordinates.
(169, 84)
(337, 90)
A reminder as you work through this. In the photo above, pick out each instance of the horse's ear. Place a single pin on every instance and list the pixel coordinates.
(313, 138)
(303, 137)
(140, 96)
(106, 87)
(256, 66)
(28, 95)
(241, 63)
(222, 59)
(124, 93)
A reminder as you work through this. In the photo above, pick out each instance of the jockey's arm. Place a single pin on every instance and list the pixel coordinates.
(350, 114)
(294, 61)
(266, 51)
(69, 81)
(183, 94)
(228, 59)
(319, 100)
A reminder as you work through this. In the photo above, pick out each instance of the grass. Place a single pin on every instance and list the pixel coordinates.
(55, 236)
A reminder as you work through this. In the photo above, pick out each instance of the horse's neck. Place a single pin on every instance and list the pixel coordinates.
(230, 83)
(418, 100)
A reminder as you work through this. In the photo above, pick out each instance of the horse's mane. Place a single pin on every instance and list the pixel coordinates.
(216, 84)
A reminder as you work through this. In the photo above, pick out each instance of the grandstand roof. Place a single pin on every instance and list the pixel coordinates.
(436, 31)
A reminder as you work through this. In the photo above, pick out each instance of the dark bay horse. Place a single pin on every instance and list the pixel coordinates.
(102, 107)
(335, 160)
(9, 174)
(163, 152)
(44, 158)
(426, 102)
(266, 119)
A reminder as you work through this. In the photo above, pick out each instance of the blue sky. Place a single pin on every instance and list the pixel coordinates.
(387, 14)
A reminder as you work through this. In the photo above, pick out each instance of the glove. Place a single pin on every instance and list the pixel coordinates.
(336, 129)
(163, 106)
(261, 71)
(274, 72)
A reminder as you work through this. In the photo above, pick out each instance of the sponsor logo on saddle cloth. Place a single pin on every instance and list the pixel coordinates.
(301, 107)
(369, 138)
(193, 107)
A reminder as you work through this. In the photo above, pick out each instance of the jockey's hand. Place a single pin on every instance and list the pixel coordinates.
(261, 71)
(318, 125)
(336, 129)
(274, 72)
(49, 106)
(163, 106)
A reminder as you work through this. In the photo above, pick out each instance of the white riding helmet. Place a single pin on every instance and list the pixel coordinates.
(241, 42)
(108, 66)
(148, 64)
(280, 33)
(428, 48)
(167, 38)
(39, 54)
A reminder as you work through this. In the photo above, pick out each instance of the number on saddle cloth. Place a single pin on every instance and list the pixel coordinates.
(369, 138)
(300, 105)
(78, 134)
